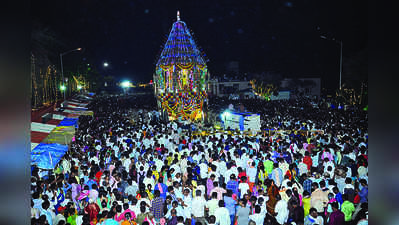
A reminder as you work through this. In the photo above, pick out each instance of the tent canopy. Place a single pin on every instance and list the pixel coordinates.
(61, 135)
(47, 156)
(69, 122)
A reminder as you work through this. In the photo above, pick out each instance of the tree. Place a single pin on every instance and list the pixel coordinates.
(266, 84)
(354, 79)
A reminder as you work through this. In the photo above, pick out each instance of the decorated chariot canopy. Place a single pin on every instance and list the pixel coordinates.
(181, 76)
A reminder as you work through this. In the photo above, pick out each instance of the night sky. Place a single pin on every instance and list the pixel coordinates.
(262, 35)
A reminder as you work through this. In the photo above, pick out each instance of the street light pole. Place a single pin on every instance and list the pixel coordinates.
(62, 68)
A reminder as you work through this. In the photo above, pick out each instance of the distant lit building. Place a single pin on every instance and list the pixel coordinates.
(225, 88)
(308, 86)
(289, 88)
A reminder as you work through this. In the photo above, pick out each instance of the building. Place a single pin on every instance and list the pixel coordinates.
(302, 86)
(289, 88)
(226, 88)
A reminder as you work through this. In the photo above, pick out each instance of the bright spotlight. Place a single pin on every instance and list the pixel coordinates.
(105, 64)
(226, 114)
(62, 87)
(125, 84)
(79, 87)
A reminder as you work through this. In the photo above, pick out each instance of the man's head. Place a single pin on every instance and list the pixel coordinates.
(171, 190)
(186, 192)
(313, 212)
(128, 215)
(330, 196)
(213, 177)
(322, 184)
(168, 199)
(45, 204)
(212, 219)
(335, 190)
(363, 182)
(334, 206)
(253, 199)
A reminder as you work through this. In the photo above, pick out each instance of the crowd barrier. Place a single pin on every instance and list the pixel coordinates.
(265, 132)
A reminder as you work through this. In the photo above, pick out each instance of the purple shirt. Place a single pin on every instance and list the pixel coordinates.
(209, 186)
(337, 218)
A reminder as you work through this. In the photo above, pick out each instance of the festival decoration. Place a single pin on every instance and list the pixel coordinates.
(181, 76)
(80, 82)
(44, 83)
(263, 90)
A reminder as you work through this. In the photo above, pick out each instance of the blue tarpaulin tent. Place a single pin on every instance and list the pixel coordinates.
(79, 109)
(69, 122)
(46, 156)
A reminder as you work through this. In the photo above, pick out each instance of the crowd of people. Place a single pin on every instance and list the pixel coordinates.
(144, 171)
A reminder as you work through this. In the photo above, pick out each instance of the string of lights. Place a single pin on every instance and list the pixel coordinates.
(181, 75)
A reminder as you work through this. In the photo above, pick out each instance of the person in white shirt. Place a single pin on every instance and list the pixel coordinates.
(183, 164)
(284, 166)
(50, 215)
(222, 214)
(179, 211)
(251, 173)
(186, 202)
(281, 209)
(203, 170)
(257, 217)
(126, 163)
(180, 220)
(212, 204)
(243, 187)
(198, 207)
(303, 168)
(149, 180)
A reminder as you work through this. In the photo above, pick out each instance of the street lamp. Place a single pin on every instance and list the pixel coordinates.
(105, 64)
(125, 85)
(340, 58)
(63, 88)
